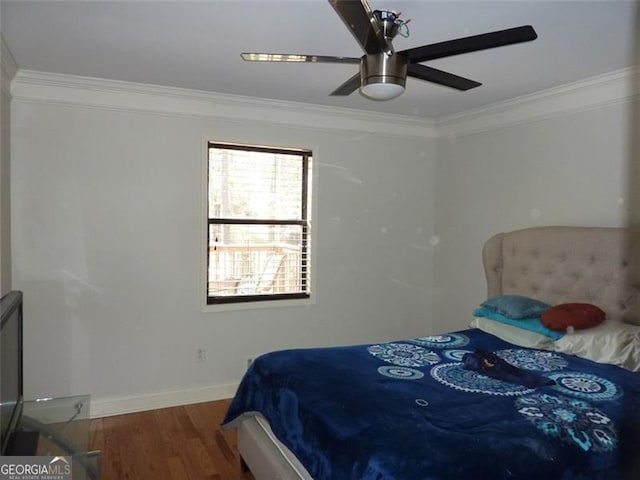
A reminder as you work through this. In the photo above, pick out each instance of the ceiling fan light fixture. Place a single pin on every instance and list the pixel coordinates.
(382, 76)
(381, 91)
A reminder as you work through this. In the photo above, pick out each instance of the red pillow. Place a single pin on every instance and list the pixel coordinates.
(576, 315)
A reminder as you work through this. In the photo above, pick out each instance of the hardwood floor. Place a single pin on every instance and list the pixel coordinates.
(177, 443)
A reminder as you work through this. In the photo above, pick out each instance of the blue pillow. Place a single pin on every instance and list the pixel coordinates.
(532, 324)
(516, 307)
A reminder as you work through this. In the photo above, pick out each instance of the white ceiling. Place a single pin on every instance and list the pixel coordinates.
(197, 45)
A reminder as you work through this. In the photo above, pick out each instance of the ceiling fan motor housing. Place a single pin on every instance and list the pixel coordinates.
(383, 69)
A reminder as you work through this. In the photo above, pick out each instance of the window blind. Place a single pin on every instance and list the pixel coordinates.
(258, 224)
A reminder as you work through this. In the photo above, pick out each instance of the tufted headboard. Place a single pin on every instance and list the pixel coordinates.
(568, 264)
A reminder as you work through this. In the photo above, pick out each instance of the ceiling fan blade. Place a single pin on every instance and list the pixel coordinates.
(471, 44)
(441, 78)
(288, 57)
(348, 87)
(359, 20)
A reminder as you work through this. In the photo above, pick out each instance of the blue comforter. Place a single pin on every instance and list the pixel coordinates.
(409, 410)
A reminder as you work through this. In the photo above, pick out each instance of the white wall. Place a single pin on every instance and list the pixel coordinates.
(111, 270)
(8, 69)
(566, 169)
(5, 221)
(107, 225)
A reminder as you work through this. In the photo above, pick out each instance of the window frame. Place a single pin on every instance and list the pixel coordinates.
(232, 302)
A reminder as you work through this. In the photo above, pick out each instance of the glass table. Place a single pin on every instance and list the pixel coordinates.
(63, 425)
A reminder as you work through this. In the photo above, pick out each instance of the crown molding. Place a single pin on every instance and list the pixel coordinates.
(44, 87)
(618, 87)
(8, 65)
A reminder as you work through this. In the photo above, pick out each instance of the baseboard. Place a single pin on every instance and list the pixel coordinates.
(107, 407)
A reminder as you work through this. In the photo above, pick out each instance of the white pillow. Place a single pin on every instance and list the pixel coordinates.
(513, 334)
(610, 342)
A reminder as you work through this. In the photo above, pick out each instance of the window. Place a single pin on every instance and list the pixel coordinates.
(258, 223)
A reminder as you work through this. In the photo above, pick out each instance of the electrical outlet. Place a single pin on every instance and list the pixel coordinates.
(200, 355)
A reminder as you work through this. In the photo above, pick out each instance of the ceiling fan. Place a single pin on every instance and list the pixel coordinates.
(383, 71)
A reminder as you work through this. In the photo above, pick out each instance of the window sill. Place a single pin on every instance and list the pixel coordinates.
(226, 307)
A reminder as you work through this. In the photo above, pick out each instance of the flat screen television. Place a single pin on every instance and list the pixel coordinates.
(11, 398)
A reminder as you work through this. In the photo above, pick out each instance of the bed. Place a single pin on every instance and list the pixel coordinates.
(413, 409)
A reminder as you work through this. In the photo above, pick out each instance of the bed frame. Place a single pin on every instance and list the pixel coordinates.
(551, 264)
